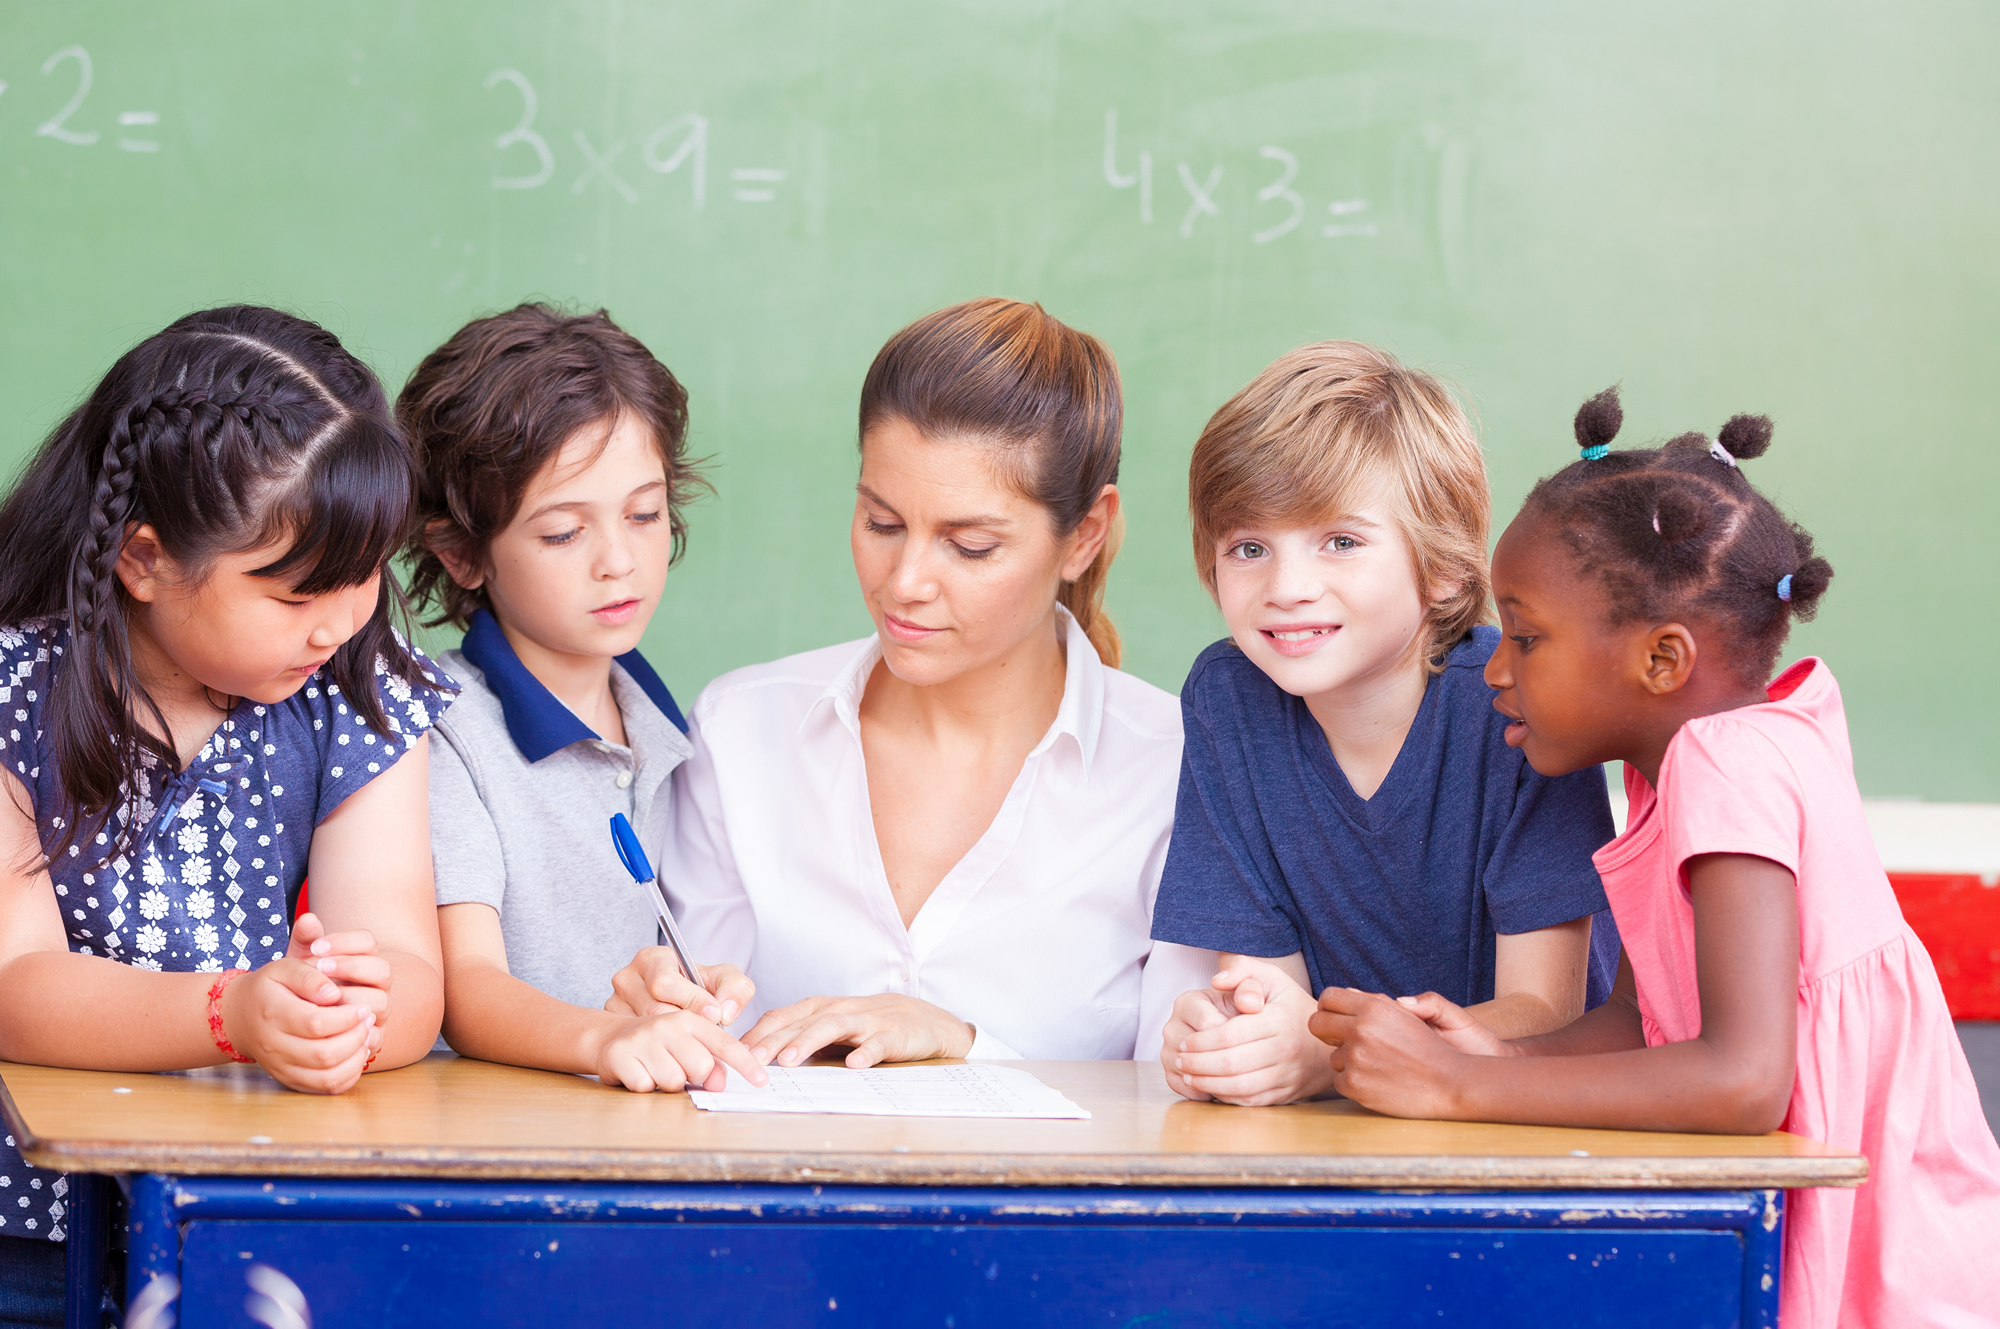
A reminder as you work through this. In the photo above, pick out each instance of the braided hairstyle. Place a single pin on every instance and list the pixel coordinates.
(233, 429)
(1678, 532)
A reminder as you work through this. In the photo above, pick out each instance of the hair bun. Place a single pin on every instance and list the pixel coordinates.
(1809, 583)
(1598, 419)
(1746, 436)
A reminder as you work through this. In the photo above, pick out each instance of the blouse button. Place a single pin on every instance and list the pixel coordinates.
(624, 779)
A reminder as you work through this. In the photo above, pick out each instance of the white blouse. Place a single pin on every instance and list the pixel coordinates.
(1040, 936)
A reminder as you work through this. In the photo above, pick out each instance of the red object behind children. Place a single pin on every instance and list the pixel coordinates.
(1957, 917)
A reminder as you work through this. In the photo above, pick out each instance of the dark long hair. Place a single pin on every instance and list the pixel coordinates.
(1043, 396)
(230, 430)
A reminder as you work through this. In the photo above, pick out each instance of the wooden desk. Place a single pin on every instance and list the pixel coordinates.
(461, 1192)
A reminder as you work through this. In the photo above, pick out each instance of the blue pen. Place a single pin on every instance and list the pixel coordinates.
(627, 842)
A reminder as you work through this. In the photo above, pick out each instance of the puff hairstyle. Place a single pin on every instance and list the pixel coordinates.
(233, 429)
(1674, 532)
(489, 409)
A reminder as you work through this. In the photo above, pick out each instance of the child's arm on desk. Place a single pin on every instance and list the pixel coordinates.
(1612, 1027)
(90, 1012)
(370, 868)
(492, 1015)
(1245, 1040)
(1734, 1077)
(1539, 980)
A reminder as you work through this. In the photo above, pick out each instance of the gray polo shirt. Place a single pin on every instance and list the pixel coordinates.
(522, 793)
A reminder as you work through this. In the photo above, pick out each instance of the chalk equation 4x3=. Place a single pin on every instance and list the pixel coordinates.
(1346, 215)
(679, 145)
(69, 125)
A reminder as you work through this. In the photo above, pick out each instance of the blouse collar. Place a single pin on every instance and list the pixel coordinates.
(1080, 716)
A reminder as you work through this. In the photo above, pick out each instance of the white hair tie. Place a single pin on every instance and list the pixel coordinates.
(1720, 453)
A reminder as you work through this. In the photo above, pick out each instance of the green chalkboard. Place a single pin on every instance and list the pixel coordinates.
(1786, 207)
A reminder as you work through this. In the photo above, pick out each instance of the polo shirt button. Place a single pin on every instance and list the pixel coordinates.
(624, 779)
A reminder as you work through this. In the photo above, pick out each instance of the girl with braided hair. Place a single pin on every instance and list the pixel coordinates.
(1768, 977)
(204, 699)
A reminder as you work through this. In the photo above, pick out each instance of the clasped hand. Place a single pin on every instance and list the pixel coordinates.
(1245, 1040)
(313, 1019)
(1402, 1056)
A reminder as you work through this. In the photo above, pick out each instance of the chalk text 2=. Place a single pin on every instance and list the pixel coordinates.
(71, 124)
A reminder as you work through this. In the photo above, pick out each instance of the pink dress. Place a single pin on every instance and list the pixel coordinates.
(1880, 1067)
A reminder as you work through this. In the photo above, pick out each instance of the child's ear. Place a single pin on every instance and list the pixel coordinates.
(140, 563)
(1669, 659)
(439, 538)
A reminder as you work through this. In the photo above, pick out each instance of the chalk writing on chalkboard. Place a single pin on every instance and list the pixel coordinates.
(1274, 222)
(679, 145)
(65, 126)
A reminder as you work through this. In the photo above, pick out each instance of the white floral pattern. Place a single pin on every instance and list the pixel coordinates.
(263, 781)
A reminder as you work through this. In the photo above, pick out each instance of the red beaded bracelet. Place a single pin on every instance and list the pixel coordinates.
(222, 1042)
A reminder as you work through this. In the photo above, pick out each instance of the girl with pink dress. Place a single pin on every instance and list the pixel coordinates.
(1769, 980)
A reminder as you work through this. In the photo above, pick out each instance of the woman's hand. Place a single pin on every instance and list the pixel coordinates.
(1262, 1053)
(653, 984)
(673, 1052)
(1386, 1057)
(289, 1018)
(885, 1027)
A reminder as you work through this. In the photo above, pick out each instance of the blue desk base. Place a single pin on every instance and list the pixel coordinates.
(418, 1253)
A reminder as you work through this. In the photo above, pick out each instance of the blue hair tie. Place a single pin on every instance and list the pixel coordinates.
(1785, 587)
(1597, 452)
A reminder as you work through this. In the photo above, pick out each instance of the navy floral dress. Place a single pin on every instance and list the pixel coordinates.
(205, 884)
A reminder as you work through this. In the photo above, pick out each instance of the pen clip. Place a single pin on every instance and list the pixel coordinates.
(626, 841)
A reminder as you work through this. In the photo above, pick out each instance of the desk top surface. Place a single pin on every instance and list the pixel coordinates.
(453, 1117)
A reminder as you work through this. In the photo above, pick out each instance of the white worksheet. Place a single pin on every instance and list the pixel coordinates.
(976, 1090)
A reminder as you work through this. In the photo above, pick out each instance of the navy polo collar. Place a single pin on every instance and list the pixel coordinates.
(537, 722)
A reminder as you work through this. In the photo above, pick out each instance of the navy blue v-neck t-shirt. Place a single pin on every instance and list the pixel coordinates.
(1273, 852)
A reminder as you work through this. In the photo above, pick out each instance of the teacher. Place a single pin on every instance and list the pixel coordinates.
(944, 840)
